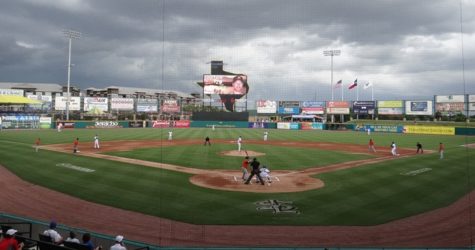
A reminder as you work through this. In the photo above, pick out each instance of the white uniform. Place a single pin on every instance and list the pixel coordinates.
(60, 126)
(369, 131)
(55, 236)
(239, 142)
(117, 246)
(96, 142)
(265, 135)
(170, 135)
(265, 174)
(393, 149)
(213, 127)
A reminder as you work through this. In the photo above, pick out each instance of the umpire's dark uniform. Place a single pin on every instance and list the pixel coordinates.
(255, 171)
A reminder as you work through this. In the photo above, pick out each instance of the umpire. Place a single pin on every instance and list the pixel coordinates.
(255, 171)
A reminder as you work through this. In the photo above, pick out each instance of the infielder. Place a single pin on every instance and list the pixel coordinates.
(239, 143)
(60, 126)
(371, 146)
(441, 150)
(266, 134)
(37, 144)
(96, 142)
(170, 135)
(394, 149)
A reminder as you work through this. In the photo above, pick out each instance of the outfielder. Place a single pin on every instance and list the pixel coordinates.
(265, 135)
(239, 143)
(96, 142)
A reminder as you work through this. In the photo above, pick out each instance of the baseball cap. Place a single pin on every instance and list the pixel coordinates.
(11, 231)
(119, 238)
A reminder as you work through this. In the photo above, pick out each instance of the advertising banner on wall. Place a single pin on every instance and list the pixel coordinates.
(60, 103)
(96, 104)
(311, 125)
(313, 108)
(471, 106)
(122, 103)
(450, 98)
(419, 108)
(45, 122)
(170, 106)
(289, 111)
(46, 102)
(364, 107)
(338, 107)
(390, 108)
(431, 130)
(17, 92)
(266, 107)
(147, 105)
(471, 98)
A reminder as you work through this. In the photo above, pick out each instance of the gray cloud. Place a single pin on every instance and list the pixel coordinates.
(399, 45)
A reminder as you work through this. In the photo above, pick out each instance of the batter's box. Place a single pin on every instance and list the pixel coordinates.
(277, 207)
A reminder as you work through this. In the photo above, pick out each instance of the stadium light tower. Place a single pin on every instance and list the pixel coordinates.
(331, 53)
(70, 34)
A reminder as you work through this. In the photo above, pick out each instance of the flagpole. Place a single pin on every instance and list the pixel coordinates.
(342, 92)
(372, 92)
(357, 92)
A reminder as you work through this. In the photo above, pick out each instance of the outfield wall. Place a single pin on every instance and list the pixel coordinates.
(416, 129)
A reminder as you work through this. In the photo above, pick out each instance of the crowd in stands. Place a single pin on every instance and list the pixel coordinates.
(9, 241)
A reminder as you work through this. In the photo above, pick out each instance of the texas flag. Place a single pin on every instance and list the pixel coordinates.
(338, 84)
(354, 84)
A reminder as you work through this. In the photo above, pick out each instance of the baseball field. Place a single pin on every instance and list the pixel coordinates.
(319, 178)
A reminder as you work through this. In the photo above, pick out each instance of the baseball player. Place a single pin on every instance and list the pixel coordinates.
(170, 135)
(37, 144)
(394, 149)
(266, 134)
(60, 126)
(369, 131)
(76, 145)
(255, 171)
(245, 168)
(96, 142)
(213, 127)
(441, 150)
(239, 143)
(265, 174)
(207, 141)
(419, 148)
(371, 146)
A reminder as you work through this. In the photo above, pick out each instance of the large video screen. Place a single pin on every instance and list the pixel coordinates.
(419, 108)
(225, 84)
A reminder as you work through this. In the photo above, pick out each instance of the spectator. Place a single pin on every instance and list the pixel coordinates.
(51, 232)
(119, 245)
(9, 242)
(86, 240)
(72, 238)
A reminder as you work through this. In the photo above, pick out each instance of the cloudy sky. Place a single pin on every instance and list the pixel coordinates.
(409, 49)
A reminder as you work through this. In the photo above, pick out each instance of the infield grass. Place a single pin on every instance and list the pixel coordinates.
(366, 195)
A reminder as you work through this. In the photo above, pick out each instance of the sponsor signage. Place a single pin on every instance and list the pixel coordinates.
(311, 125)
(283, 125)
(122, 103)
(390, 104)
(107, 124)
(471, 106)
(338, 104)
(364, 107)
(450, 107)
(450, 98)
(311, 104)
(17, 92)
(471, 98)
(289, 111)
(342, 111)
(289, 104)
(45, 122)
(170, 106)
(20, 118)
(74, 104)
(147, 105)
(431, 130)
(96, 103)
(43, 98)
(419, 108)
(266, 107)
(313, 111)
(390, 111)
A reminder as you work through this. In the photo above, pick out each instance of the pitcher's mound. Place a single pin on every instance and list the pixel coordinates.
(241, 153)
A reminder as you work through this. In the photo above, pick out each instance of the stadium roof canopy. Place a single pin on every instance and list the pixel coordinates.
(133, 90)
(13, 99)
(45, 87)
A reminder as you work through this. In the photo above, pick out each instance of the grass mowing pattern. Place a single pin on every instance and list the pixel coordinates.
(276, 158)
(368, 195)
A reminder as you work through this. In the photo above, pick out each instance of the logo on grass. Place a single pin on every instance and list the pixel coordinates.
(74, 167)
(416, 172)
(277, 207)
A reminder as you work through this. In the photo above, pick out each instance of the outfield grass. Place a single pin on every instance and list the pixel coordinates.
(367, 195)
